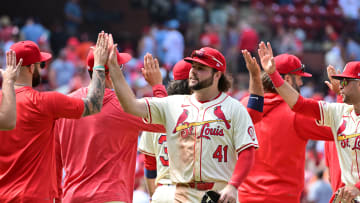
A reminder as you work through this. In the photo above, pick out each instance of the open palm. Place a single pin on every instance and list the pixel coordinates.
(266, 57)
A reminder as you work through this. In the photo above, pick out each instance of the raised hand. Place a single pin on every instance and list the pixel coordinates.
(333, 84)
(251, 63)
(151, 70)
(267, 57)
(112, 60)
(12, 69)
(101, 50)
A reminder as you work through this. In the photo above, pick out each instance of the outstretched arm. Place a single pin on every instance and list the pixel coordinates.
(289, 94)
(8, 101)
(94, 100)
(256, 99)
(123, 92)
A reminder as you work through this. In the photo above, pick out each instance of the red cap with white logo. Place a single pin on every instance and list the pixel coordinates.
(209, 57)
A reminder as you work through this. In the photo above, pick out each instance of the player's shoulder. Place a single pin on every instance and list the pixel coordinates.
(233, 103)
(341, 108)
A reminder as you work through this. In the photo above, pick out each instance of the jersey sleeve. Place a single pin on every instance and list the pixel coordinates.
(307, 128)
(244, 132)
(146, 145)
(156, 108)
(329, 112)
(62, 106)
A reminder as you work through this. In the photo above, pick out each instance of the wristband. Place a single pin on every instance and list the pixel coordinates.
(99, 68)
(276, 79)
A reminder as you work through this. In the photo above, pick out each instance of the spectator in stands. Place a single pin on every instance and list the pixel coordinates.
(73, 15)
(210, 37)
(320, 191)
(147, 43)
(33, 30)
(61, 72)
(173, 45)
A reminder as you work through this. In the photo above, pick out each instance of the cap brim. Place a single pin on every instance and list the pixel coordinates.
(123, 58)
(341, 76)
(304, 74)
(190, 60)
(45, 56)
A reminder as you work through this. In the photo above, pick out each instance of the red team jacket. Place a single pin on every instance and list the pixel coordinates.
(98, 152)
(278, 171)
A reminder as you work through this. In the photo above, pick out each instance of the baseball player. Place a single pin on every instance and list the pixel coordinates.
(27, 160)
(8, 102)
(98, 153)
(342, 118)
(275, 177)
(153, 145)
(207, 131)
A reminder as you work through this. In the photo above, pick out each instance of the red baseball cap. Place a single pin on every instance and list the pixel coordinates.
(29, 52)
(290, 64)
(181, 70)
(351, 70)
(209, 57)
(122, 58)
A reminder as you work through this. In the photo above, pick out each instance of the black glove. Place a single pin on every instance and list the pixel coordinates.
(210, 197)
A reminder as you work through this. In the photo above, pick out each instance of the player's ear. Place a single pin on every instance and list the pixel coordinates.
(287, 78)
(31, 68)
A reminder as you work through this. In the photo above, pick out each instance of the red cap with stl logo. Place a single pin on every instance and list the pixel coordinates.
(209, 57)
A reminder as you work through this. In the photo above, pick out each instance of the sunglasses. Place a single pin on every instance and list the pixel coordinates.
(301, 69)
(202, 54)
(42, 64)
(344, 82)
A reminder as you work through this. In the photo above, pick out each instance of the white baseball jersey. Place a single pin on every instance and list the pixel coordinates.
(344, 124)
(203, 139)
(154, 144)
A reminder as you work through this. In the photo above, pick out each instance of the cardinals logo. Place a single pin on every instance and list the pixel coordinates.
(181, 119)
(341, 128)
(220, 114)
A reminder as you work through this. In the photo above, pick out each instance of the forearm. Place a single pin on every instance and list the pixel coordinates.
(150, 185)
(94, 100)
(243, 166)
(255, 85)
(125, 95)
(8, 106)
(288, 93)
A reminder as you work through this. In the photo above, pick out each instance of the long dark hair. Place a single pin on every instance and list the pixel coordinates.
(178, 87)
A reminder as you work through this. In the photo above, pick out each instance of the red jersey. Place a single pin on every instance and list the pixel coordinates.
(98, 152)
(27, 159)
(278, 171)
(332, 162)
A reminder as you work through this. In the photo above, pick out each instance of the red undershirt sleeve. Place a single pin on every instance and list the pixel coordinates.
(245, 158)
(159, 91)
(307, 107)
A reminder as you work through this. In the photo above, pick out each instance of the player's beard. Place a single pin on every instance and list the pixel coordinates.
(294, 85)
(202, 84)
(36, 79)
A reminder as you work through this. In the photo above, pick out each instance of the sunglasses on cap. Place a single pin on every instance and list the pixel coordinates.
(42, 64)
(344, 82)
(202, 54)
(301, 69)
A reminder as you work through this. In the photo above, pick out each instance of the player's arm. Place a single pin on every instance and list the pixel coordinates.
(243, 166)
(59, 165)
(123, 92)
(153, 77)
(8, 101)
(295, 101)
(94, 99)
(150, 173)
(256, 99)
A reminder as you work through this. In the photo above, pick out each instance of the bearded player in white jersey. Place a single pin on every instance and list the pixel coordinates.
(343, 118)
(211, 138)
